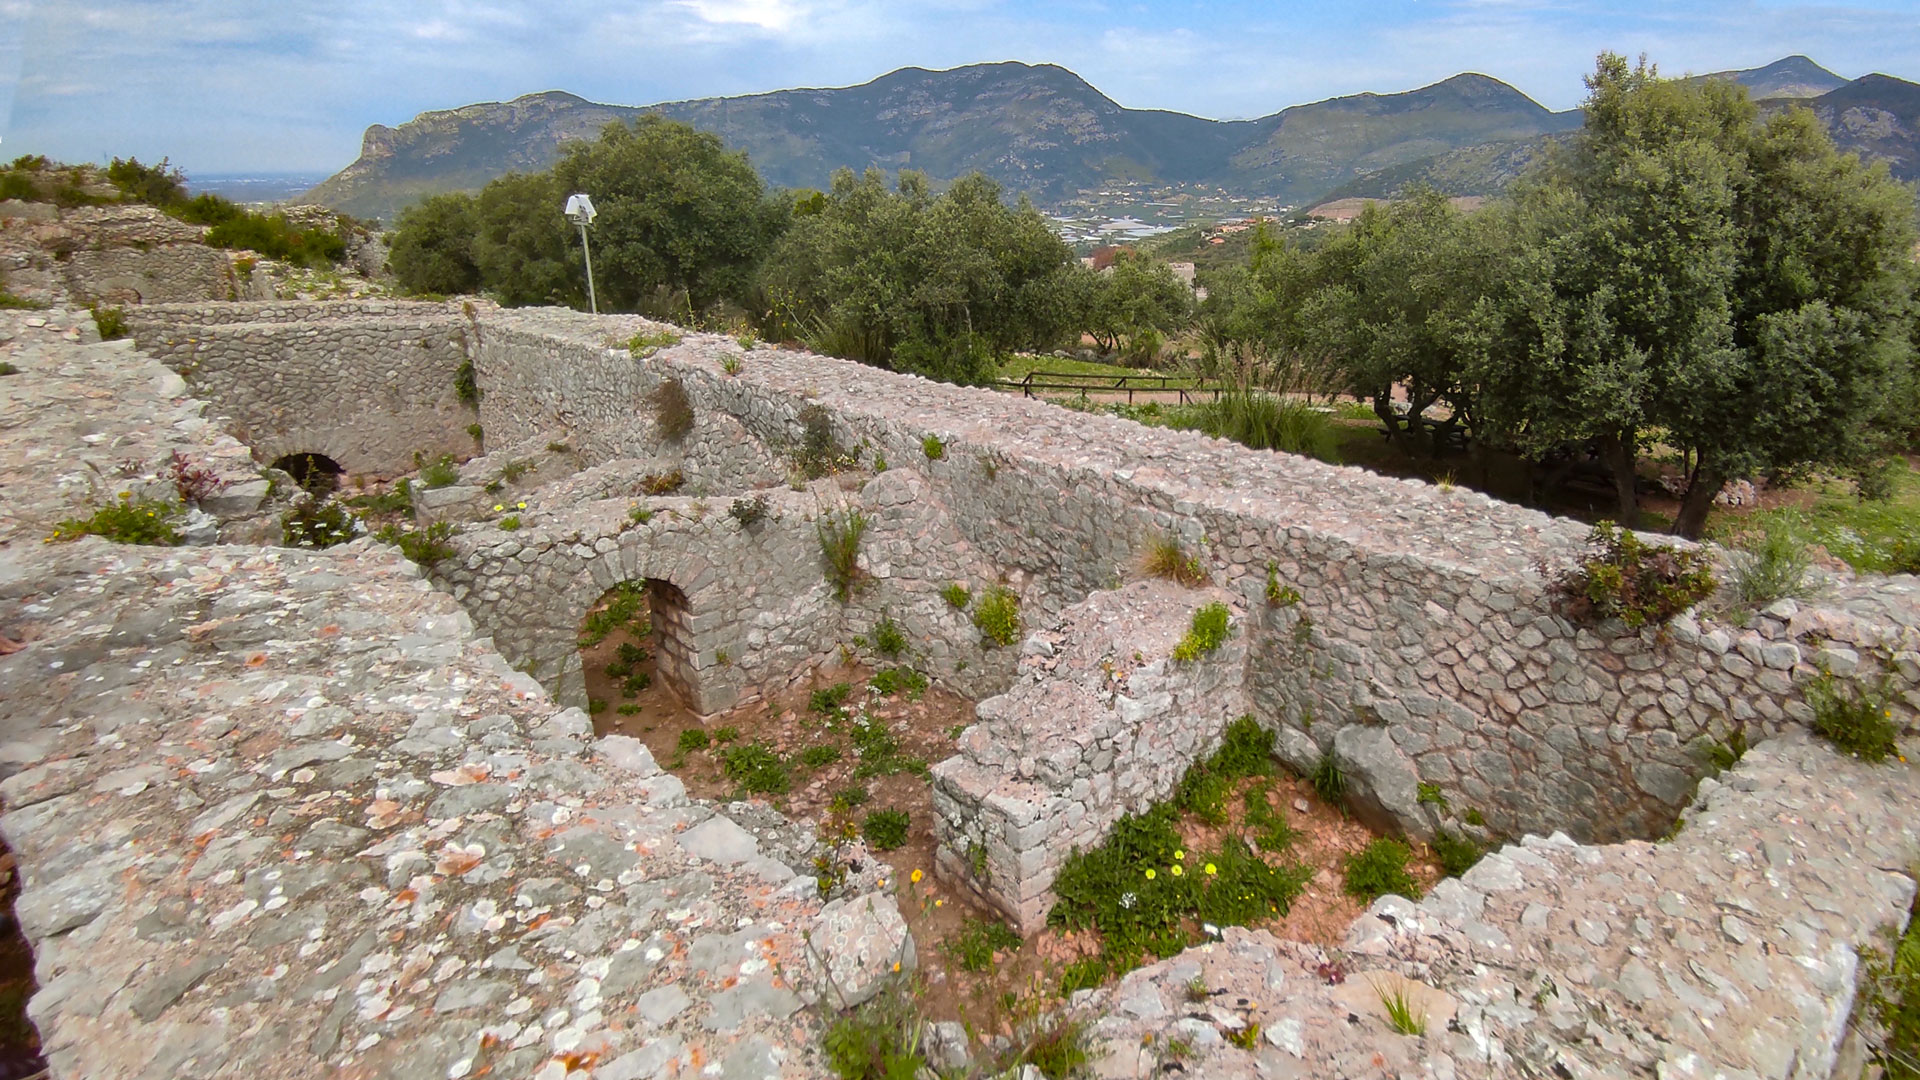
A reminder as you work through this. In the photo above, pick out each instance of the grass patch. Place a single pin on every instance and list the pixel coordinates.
(1264, 422)
(646, 344)
(813, 757)
(878, 1040)
(827, 701)
(317, 525)
(110, 321)
(1873, 537)
(624, 608)
(1328, 779)
(439, 473)
(1381, 868)
(1400, 1009)
(1774, 566)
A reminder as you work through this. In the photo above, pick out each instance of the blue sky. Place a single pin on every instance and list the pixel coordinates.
(289, 85)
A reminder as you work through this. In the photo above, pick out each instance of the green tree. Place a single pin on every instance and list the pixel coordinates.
(901, 278)
(677, 211)
(1687, 273)
(523, 248)
(1135, 302)
(432, 248)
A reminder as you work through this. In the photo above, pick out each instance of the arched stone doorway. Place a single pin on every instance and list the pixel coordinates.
(317, 474)
(637, 656)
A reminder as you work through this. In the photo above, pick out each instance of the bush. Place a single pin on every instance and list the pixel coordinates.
(317, 525)
(956, 596)
(110, 321)
(126, 521)
(1380, 869)
(819, 453)
(840, 547)
(1208, 631)
(1772, 568)
(886, 829)
(275, 237)
(997, 615)
(1851, 719)
(672, 410)
(439, 473)
(1638, 583)
(757, 769)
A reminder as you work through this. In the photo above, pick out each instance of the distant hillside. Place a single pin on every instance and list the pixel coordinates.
(1875, 116)
(1036, 129)
(1788, 77)
(1042, 130)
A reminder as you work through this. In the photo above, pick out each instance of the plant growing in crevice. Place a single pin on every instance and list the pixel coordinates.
(1206, 634)
(933, 448)
(1623, 577)
(1403, 1014)
(840, 549)
(749, 512)
(110, 321)
(439, 473)
(890, 681)
(1430, 795)
(672, 410)
(193, 483)
(1279, 595)
(1165, 557)
(888, 639)
(997, 615)
(956, 596)
(1457, 854)
(1328, 779)
(665, 483)
(645, 344)
(819, 453)
(466, 384)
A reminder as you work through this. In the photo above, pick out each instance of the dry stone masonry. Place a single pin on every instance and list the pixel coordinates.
(308, 802)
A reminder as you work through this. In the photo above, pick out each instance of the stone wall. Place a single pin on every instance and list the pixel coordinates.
(1027, 788)
(368, 391)
(109, 255)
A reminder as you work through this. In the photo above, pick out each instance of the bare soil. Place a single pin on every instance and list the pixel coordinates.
(937, 913)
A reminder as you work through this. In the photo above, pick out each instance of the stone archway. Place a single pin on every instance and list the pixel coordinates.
(637, 654)
(316, 473)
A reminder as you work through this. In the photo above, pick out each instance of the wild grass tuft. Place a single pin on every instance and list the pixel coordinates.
(1379, 869)
(840, 547)
(1400, 1009)
(1774, 566)
(1165, 557)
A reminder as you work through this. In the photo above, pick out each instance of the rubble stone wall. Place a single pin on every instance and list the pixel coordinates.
(368, 391)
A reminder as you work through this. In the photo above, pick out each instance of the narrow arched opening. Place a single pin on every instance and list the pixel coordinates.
(317, 474)
(636, 655)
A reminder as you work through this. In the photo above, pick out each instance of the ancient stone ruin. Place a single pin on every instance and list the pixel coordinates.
(292, 813)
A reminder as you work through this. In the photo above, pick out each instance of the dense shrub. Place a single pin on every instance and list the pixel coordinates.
(1625, 578)
(997, 615)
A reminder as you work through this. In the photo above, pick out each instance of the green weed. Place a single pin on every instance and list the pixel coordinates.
(886, 829)
(840, 548)
(956, 596)
(1208, 632)
(1381, 868)
(126, 520)
(973, 947)
(997, 615)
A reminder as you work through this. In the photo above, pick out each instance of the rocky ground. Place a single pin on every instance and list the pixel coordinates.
(279, 813)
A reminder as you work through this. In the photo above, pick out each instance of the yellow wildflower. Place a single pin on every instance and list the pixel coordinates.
(1176, 869)
(917, 876)
(1150, 873)
(1211, 869)
(1180, 855)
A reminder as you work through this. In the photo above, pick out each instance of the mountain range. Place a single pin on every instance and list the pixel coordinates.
(1042, 130)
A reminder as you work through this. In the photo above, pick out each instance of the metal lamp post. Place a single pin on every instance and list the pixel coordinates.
(580, 211)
